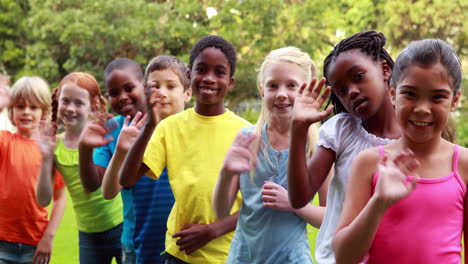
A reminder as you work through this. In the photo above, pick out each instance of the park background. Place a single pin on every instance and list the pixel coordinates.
(52, 38)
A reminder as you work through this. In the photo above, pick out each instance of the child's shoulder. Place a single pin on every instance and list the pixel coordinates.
(341, 120)
(463, 163)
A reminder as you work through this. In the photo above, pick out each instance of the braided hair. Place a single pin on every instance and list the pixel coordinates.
(370, 43)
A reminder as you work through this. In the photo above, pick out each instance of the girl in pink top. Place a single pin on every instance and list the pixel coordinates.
(389, 216)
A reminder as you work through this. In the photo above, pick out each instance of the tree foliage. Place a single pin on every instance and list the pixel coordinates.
(51, 38)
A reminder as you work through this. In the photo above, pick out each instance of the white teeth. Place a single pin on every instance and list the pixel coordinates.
(421, 123)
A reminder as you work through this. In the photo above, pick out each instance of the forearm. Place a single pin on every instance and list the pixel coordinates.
(58, 208)
(128, 175)
(225, 225)
(298, 180)
(110, 183)
(45, 186)
(352, 242)
(224, 194)
(312, 214)
(89, 174)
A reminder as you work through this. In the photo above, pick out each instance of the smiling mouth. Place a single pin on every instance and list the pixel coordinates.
(421, 124)
(282, 106)
(208, 90)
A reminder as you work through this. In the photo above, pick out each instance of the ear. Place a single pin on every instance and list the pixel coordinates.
(231, 83)
(261, 91)
(187, 95)
(189, 76)
(386, 71)
(455, 100)
(392, 94)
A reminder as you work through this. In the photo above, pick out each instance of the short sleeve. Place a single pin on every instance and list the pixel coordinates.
(332, 134)
(155, 153)
(103, 155)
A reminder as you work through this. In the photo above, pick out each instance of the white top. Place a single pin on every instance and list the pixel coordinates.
(345, 135)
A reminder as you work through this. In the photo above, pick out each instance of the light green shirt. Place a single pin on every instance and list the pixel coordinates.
(93, 212)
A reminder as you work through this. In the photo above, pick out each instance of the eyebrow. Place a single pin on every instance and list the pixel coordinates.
(436, 91)
(347, 72)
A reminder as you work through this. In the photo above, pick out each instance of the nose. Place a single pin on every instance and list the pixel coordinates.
(281, 94)
(163, 92)
(208, 77)
(353, 92)
(123, 97)
(422, 107)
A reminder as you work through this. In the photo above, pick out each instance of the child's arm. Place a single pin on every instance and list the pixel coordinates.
(238, 160)
(463, 172)
(44, 248)
(301, 185)
(323, 191)
(276, 197)
(362, 211)
(94, 135)
(133, 167)
(45, 183)
(128, 134)
(195, 236)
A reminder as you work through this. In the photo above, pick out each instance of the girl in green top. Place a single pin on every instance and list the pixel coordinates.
(99, 221)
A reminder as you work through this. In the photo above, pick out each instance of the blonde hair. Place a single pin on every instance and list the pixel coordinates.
(32, 90)
(305, 63)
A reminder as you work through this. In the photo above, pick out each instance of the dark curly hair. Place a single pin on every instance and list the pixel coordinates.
(213, 41)
(121, 64)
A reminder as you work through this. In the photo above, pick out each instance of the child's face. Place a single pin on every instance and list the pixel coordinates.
(27, 116)
(423, 100)
(74, 105)
(210, 79)
(173, 96)
(125, 92)
(359, 82)
(280, 86)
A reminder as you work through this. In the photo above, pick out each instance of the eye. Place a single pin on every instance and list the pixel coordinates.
(200, 69)
(292, 85)
(359, 76)
(409, 93)
(112, 94)
(129, 89)
(272, 85)
(341, 91)
(221, 72)
(34, 107)
(65, 101)
(171, 86)
(439, 97)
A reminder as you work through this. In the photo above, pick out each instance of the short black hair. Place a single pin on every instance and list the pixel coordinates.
(369, 42)
(169, 62)
(121, 64)
(213, 41)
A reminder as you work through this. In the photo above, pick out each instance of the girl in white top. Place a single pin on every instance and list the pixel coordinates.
(358, 70)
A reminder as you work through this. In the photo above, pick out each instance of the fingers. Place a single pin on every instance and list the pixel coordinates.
(142, 121)
(41, 258)
(136, 118)
(301, 90)
(315, 88)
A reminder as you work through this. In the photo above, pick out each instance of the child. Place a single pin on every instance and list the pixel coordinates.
(192, 145)
(358, 71)
(153, 200)
(99, 221)
(26, 235)
(123, 79)
(396, 218)
(268, 229)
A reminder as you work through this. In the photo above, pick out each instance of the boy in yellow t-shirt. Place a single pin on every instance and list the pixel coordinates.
(192, 145)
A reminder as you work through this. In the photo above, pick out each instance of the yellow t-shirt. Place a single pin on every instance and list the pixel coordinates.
(193, 147)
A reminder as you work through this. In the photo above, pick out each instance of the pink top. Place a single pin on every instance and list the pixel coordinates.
(425, 227)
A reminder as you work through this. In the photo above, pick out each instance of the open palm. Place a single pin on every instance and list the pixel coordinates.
(239, 158)
(394, 182)
(130, 131)
(94, 134)
(309, 101)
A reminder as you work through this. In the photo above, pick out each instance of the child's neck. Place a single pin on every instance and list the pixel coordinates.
(383, 123)
(72, 136)
(278, 132)
(29, 134)
(209, 110)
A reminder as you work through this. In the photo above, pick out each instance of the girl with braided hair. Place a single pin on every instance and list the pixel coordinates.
(99, 221)
(358, 72)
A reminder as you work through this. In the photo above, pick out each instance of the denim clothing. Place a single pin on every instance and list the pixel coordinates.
(101, 247)
(265, 235)
(16, 253)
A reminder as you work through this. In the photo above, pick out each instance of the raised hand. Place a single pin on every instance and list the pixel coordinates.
(46, 141)
(309, 101)
(276, 197)
(153, 97)
(193, 237)
(4, 93)
(130, 130)
(94, 134)
(239, 157)
(394, 182)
